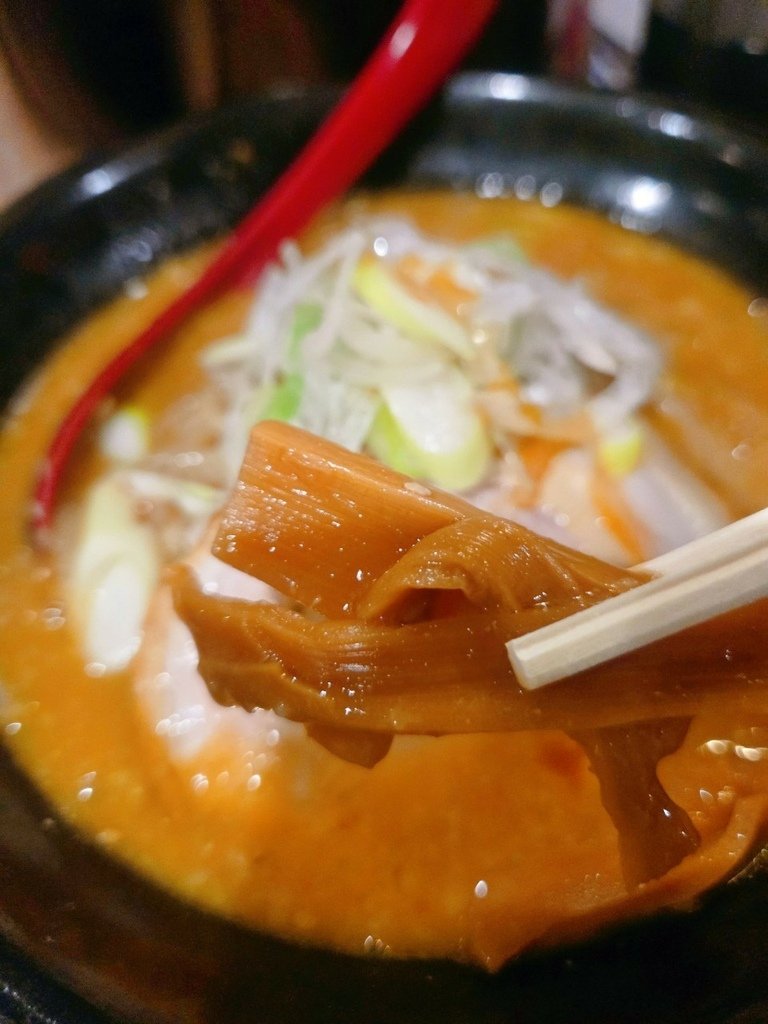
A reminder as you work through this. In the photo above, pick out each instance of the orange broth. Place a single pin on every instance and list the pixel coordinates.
(470, 847)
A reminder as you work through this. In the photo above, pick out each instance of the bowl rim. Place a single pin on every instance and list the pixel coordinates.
(646, 111)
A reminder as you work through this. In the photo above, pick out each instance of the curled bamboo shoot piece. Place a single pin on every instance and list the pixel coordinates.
(398, 602)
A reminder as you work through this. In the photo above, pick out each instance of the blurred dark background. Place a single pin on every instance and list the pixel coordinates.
(92, 73)
(135, 64)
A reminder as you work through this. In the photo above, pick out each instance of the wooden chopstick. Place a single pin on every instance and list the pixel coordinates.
(717, 573)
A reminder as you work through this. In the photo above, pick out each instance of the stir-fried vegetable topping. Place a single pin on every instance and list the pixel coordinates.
(385, 319)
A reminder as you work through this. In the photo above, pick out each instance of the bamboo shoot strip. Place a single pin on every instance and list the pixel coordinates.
(319, 523)
(721, 572)
(313, 519)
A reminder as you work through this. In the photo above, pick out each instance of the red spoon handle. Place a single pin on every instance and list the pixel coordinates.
(426, 40)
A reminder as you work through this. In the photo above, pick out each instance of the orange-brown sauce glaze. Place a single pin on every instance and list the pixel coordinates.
(469, 846)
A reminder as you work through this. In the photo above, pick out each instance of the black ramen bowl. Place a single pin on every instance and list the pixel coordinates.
(84, 940)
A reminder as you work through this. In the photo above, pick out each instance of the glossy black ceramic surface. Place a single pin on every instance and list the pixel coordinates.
(85, 941)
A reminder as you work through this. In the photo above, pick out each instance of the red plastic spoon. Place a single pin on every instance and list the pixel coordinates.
(424, 43)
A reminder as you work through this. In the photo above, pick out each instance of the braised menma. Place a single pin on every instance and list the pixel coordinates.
(269, 671)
